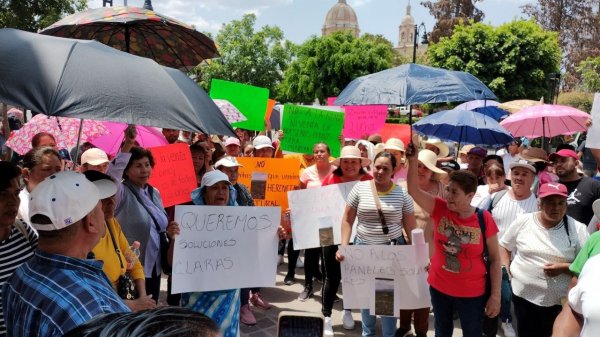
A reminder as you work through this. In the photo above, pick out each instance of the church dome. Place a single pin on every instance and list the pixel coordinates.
(408, 19)
(341, 17)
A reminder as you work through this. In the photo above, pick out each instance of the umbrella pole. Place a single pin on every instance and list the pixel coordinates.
(78, 140)
(127, 38)
(410, 120)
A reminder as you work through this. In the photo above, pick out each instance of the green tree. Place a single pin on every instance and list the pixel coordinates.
(589, 70)
(34, 15)
(247, 56)
(326, 64)
(513, 59)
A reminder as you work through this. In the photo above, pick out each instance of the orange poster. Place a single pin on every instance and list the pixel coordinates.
(269, 179)
(173, 173)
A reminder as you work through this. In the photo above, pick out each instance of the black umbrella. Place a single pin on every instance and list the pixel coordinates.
(86, 79)
(139, 31)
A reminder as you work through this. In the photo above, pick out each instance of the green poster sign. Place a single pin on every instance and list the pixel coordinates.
(250, 100)
(304, 126)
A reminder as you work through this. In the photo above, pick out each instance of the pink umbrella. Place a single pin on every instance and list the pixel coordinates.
(64, 130)
(231, 113)
(546, 120)
(111, 143)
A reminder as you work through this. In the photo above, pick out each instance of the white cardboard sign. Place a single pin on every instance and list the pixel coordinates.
(224, 247)
(316, 209)
(364, 263)
(593, 136)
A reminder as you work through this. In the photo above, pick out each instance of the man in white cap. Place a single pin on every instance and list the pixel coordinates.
(94, 159)
(263, 147)
(232, 147)
(59, 289)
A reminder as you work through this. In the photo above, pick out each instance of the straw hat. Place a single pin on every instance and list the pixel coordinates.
(429, 159)
(394, 144)
(444, 150)
(351, 152)
(465, 149)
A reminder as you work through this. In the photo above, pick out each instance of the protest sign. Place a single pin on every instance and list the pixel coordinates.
(173, 173)
(305, 126)
(363, 264)
(270, 106)
(314, 211)
(400, 131)
(363, 120)
(331, 100)
(250, 100)
(593, 135)
(223, 247)
(269, 179)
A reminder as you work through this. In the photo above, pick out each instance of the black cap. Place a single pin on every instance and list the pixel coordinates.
(451, 165)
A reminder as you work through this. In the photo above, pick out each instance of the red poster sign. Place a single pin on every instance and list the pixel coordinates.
(401, 131)
(173, 174)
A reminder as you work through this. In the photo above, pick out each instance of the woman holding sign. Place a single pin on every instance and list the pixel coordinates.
(383, 209)
(462, 234)
(222, 306)
(350, 168)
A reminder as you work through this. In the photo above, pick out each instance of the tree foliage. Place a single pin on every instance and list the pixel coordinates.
(589, 70)
(449, 13)
(578, 25)
(513, 59)
(34, 15)
(247, 56)
(577, 99)
(325, 65)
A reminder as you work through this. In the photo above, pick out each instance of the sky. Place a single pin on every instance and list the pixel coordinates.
(299, 19)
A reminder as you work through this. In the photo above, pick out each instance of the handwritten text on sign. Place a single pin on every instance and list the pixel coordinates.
(363, 120)
(310, 206)
(225, 248)
(173, 173)
(269, 179)
(363, 263)
(304, 127)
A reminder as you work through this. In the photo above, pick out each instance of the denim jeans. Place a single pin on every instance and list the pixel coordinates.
(388, 324)
(470, 311)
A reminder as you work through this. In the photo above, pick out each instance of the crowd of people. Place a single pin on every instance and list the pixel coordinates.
(512, 235)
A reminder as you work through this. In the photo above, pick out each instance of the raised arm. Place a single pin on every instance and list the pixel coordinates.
(424, 199)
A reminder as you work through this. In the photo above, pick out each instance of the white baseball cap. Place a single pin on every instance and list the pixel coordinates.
(67, 197)
(524, 164)
(228, 161)
(260, 142)
(213, 177)
(94, 156)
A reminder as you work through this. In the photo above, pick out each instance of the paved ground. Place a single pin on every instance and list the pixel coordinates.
(286, 298)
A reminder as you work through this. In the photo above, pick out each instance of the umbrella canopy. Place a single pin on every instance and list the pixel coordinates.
(546, 120)
(411, 84)
(519, 104)
(140, 32)
(492, 111)
(477, 103)
(231, 113)
(110, 143)
(86, 79)
(64, 130)
(464, 127)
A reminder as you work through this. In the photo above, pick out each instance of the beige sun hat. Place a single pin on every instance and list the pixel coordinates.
(429, 159)
(394, 144)
(351, 152)
(444, 150)
(465, 149)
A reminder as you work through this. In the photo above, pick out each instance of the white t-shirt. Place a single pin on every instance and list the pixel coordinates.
(533, 246)
(483, 191)
(507, 209)
(24, 206)
(584, 298)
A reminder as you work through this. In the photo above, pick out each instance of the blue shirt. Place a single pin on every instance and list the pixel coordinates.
(52, 294)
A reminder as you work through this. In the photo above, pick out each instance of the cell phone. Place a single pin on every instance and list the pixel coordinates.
(300, 324)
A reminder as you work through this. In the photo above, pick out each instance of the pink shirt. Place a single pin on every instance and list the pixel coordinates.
(310, 176)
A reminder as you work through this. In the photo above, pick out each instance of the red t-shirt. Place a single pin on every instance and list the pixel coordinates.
(332, 179)
(457, 267)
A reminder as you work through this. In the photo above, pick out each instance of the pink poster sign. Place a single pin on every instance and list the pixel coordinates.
(363, 120)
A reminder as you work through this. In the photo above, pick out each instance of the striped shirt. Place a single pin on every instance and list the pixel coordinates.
(52, 294)
(508, 209)
(394, 204)
(14, 251)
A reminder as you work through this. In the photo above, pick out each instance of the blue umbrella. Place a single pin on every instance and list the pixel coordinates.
(464, 127)
(411, 84)
(478, 103)
(492, 111)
